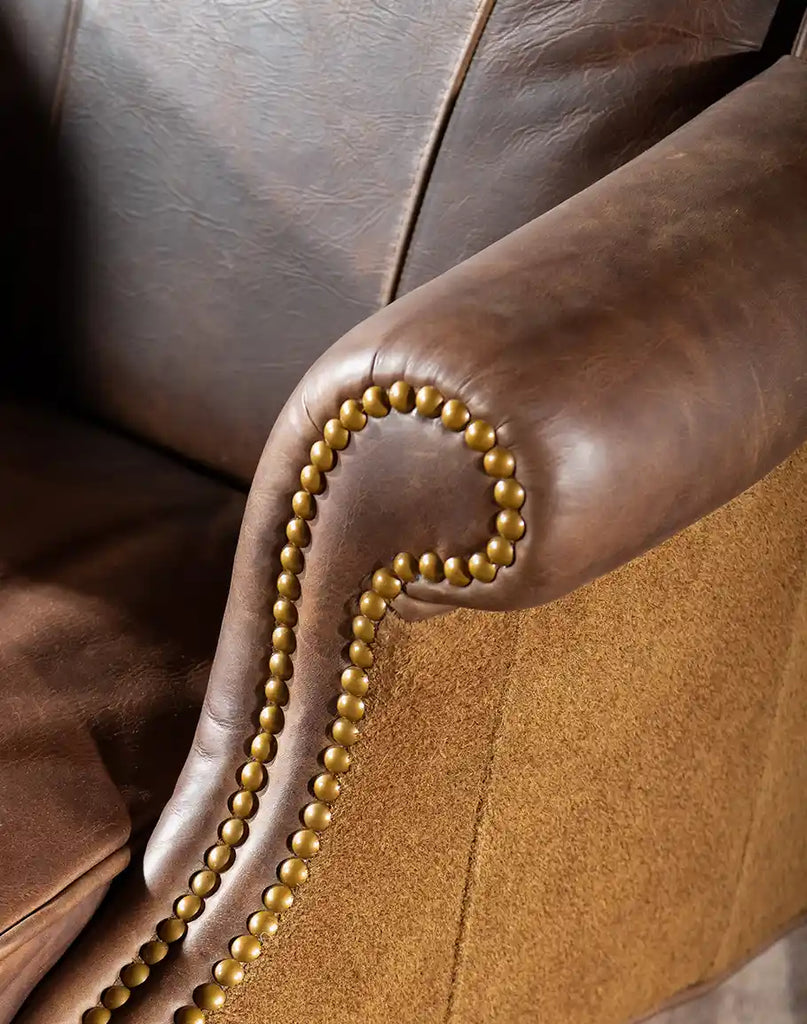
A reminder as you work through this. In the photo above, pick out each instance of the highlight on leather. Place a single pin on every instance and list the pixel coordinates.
(498, 463)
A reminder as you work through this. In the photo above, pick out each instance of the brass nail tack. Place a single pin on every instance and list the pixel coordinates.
(262, 922)
(276, 691)
(375, 402)
(322, 456)
(283, 639)
(509, 493)
(153, 952)
(431, 567)
(284, 612)
(327, 787)
(500, 551)
(134, 974)
(220, 858)
(209, 996)
(405, 567)
(243, 804)
(428, 401)
(510, 525)
(372, 605)
(189, 1015)
(228, 972)
(499, 462)
(456, 570)
(204, 882)
(351, 415)
(305, 843)
(480, 436)
(402, 396)
(317, 816)
(278, 898)
(245, 948)
(311, 480)
(298, 533)
(97, 1015)
(386, 584)
(481, 568)
(363, 628)
(337, 760)
(336, 434)
(304, 505)
(115, 996)
(355, 680)
(455, 415)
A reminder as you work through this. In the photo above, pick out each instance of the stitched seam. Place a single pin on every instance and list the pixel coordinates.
(743, 870)
(68, 50)
(429, 159)
(471, 872)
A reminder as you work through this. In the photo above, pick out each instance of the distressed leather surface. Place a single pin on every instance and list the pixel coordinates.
(246, 169)
(250, 173)
(641, 348)
(114, 565)
(558, 95)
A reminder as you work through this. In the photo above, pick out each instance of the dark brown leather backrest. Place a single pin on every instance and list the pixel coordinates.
(257, 178)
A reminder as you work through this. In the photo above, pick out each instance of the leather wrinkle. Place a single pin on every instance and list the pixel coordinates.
(432, 151)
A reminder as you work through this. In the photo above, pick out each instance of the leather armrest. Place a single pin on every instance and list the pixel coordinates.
(642, 351)
(642, 348)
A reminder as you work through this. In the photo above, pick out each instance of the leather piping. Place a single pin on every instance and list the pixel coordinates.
(427, 163)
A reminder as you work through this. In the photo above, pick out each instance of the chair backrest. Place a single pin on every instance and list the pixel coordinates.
(256, 177)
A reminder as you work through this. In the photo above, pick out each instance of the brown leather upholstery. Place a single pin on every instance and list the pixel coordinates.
(558, 95)
(113, 566)
(230, 198)
(641, 377)
(241, 167)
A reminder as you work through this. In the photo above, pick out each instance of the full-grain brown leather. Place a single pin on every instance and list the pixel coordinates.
(558, 95)
(250, 174)
(640, 348)
(114, 564)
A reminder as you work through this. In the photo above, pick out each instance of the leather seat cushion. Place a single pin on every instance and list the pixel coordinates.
(114, 566)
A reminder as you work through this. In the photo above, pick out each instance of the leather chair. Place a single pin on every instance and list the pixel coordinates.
(525, 550)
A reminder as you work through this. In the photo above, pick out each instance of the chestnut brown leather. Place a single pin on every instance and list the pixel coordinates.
(113, 572)
(250, 175)
(558, 95)
(640, 348)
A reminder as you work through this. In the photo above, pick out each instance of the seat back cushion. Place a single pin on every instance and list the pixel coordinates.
(253, 179)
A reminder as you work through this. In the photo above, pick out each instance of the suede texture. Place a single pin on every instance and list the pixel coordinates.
(570, 813)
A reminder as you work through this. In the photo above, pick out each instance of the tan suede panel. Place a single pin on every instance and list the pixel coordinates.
(633, 746)
(570, 813)
(774, 877)
(371, 937)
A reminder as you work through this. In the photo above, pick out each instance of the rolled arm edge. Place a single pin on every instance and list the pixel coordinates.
(642, 348)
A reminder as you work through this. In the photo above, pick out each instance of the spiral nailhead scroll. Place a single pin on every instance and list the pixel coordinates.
(387, 583)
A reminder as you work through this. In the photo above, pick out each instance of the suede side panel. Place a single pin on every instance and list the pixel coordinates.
(372, 936)
(635, 745)
(774, 876)
(612, 767)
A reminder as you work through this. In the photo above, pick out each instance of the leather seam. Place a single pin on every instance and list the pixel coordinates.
(431, 152)
(67, 52)
(9, 941)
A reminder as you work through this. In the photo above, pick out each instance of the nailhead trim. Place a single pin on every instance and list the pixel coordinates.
(387, 583)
